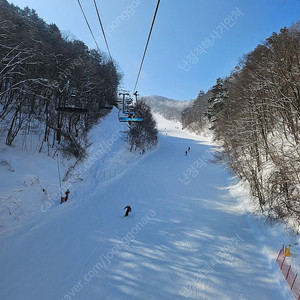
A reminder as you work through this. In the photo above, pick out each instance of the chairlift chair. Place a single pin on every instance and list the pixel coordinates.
(72, 109)
(68, 107)
(129, 118)
(107, 106)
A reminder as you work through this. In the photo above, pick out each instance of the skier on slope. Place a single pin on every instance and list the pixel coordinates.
(128, 210)
(65, 199)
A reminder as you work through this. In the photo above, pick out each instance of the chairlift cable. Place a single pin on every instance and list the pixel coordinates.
(103, 32)
(87, 22)
(153, 20)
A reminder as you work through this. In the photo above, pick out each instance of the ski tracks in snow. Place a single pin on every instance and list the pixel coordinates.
(184, 241)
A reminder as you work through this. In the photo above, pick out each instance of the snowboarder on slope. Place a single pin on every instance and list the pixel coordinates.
(128, 210)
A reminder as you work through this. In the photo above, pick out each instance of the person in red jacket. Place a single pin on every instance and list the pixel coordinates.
(65, 199)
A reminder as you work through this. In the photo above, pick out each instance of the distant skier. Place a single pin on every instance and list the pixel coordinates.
(128, 210)
(189, 148)
(186, 153)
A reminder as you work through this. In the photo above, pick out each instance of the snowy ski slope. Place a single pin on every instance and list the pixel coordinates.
(185, 238)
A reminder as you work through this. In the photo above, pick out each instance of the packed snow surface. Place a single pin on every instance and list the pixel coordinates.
(188, 236)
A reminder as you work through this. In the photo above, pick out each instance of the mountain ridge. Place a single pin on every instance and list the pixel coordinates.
(170, 109)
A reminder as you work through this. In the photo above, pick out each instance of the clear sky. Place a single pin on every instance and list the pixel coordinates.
(181, 28)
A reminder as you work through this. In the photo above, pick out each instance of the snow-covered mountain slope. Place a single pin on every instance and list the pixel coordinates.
(30, 182)
(168, 108)
(186, 238)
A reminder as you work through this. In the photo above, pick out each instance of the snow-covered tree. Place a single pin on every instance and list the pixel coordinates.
(142, 135)
(259, 123)
(41, 72)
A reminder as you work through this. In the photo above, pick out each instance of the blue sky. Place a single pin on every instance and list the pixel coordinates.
(181, 28)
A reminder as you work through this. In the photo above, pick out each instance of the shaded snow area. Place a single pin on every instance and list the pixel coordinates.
(188, 235)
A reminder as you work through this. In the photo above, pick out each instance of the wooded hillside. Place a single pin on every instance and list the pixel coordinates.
(255, 113)
(42, 72)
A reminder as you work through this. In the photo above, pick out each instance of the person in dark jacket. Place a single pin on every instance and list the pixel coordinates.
(128, 210)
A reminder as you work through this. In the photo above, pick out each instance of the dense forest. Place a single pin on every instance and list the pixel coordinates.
(193, 116)
(254, 113)
(41, 73)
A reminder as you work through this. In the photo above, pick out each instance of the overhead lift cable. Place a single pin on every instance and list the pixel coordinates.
(102, 29)
(146, 45)
(87, 22)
